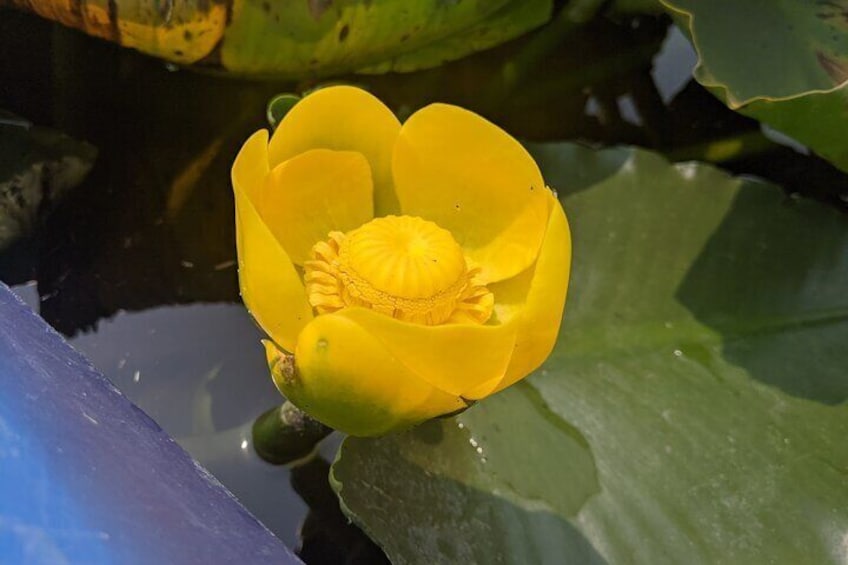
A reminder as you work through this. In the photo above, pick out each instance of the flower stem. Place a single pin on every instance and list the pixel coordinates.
(285, 435)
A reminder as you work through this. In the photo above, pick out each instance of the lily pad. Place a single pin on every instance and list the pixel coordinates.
(782, 62)
(321, 38)
(693, 410)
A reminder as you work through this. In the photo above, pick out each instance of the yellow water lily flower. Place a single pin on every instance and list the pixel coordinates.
(410, 269)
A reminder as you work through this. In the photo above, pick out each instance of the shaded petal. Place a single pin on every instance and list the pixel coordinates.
(348, 380)
(454, 358)
(343, 118)
(270, 285)
(469, 176)
(314, 193)
(538, 319)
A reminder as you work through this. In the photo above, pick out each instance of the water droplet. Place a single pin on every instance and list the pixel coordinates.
(322, 344)
(678, 353)
(480, 450)
(460, 425)
(473, 442)
(244, 445)
(136, 376)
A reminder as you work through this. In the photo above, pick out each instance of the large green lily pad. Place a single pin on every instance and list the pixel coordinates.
(693, 410)
(324, 37)
(782, 62)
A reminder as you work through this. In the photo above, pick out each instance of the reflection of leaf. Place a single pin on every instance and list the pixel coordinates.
(692, 412)
(784, 64)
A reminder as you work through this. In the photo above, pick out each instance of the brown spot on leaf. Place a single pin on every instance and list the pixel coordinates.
(344, 32)
(114, 30)
(318, 7)
(835, 69)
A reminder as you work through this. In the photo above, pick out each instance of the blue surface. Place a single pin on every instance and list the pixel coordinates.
(87, 477)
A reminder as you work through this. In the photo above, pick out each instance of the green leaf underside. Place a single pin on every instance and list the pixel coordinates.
(693, 410)
(782, 62)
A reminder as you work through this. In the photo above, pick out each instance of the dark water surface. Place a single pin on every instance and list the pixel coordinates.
(137, 266)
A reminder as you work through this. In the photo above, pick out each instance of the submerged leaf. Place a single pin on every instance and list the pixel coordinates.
(37, 166)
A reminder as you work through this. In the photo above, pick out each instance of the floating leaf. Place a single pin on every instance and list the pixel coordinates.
(784, 63)
(320, 38)
(692, 412)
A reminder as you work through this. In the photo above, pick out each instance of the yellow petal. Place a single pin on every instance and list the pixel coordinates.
(539, 318)
(466, 174)
(314, 193)
(346, 379)
(343, 118)
(270, 285)
(454, 358)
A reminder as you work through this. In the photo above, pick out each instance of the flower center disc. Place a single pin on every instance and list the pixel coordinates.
(404, 256)
(402, 266)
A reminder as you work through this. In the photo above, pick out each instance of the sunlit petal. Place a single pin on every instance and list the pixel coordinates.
(270, 286)
(306, 197)
(343, 118)
(454, 358)
(538, 319)
(455, 168)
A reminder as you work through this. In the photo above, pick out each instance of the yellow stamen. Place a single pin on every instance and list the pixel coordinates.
(402, 266)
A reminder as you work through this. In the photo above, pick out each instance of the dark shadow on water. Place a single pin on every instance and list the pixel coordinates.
(327, 537)
(774, 286)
